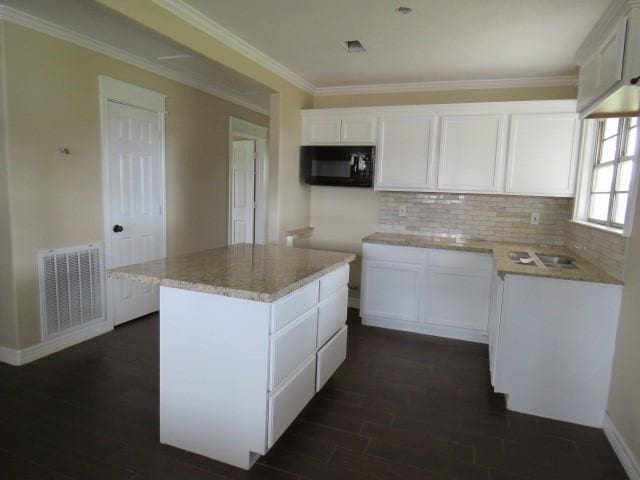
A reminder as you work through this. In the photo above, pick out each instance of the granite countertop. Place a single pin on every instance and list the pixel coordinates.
(263, 273)
(585, 271)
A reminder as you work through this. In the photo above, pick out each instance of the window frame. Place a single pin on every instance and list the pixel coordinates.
(591, 146)
(619, 158)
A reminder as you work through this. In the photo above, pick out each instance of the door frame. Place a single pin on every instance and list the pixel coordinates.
(117, 91)
(260, 135)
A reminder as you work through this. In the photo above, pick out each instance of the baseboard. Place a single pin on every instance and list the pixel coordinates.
(10, 356)
(35, 352)
(428, 329)
(625, 455)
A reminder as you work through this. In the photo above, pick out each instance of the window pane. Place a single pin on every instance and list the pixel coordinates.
(611, 127)
(624, 176)
(599, 206)
(631, 142)
(608, 153)
(620, 208)
(602, 178)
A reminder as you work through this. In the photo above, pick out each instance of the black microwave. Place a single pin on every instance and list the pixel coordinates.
(346, 166)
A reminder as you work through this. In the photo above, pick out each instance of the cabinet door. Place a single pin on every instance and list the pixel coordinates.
(404, 151)
(358, 130)
(321, 130)
(391, 290)
(495, 312)
(542, 154)
(471, 152)
(458, 298)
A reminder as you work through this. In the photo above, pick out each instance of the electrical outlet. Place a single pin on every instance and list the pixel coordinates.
(535, 218)
(402, 211)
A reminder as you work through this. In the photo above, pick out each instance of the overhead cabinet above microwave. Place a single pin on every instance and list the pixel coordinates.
(609, 59)
(518, 148)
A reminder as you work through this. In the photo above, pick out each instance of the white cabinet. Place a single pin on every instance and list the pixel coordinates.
(495, 313)
(461, 147)
(458, 287)
(471, 152)
(336, 130)
(358, 130)
(405, 144)
(331, 356)
(321, 130)
(542, 154)
(610, 67)
(438, 292)
(554, 347)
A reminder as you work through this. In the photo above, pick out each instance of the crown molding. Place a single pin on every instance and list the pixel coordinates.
(48, 28)
(617, 10)
(555, 81)
(197, 19)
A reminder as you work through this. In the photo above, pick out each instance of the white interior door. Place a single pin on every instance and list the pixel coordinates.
(243, 194)
(136, 204)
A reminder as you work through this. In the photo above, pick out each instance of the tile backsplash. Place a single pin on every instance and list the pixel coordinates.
(499, 218)
(604, 249)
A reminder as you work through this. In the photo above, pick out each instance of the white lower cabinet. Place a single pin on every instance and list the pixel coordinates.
(552, 344)
(331, 356)
(438, 292)
(288, 401)
(235, 372)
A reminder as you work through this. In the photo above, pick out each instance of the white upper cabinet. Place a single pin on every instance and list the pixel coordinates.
(358, 130)
(542, 155)
(518, 148)
(321, 130)
(336, 130)
(404, 149)
(471, 152)
(609, 62)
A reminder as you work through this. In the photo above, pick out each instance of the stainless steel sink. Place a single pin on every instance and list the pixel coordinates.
(556, 261)
(522, 258)
(535, 259)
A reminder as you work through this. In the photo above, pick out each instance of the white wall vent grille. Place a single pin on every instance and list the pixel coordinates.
(71, 288)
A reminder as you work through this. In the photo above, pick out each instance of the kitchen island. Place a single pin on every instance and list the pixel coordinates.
(248, 335)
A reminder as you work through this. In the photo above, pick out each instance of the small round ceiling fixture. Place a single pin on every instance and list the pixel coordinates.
(404, 10)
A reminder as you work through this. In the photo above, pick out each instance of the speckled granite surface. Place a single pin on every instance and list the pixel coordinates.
(586, 272)
(263, 273)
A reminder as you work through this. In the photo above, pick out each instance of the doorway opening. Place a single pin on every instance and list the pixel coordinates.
(248, 175)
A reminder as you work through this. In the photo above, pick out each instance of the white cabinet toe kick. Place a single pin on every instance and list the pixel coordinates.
(235, 373)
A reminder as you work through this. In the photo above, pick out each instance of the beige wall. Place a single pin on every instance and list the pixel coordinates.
(624, 397)
(289, 202)
(56, 199)
(8, 326)
(330, 207)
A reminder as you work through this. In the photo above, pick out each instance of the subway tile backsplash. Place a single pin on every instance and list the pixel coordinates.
(498, 218)
(501, 218)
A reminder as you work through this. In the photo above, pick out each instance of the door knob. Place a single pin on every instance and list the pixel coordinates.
(117, 228)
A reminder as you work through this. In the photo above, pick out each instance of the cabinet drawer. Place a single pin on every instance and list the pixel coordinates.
(288, 401)
(287, 309)
(332, 315)
(465, 260)
(291, 346)
(331, 356)
(332, 281)
(393, 253)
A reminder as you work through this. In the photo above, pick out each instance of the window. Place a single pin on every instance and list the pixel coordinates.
(612, 171)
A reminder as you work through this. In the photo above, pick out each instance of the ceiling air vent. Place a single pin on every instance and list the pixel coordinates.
(354, 46)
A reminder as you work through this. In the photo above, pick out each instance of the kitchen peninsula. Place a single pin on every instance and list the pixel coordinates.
(248, 335)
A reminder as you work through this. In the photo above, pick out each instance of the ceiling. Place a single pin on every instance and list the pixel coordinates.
(441, 40)
(145, 47)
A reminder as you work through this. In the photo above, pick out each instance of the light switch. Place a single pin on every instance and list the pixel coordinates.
(535, 218)
(402, 211)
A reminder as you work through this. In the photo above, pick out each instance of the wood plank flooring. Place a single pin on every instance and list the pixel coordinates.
(403, 406)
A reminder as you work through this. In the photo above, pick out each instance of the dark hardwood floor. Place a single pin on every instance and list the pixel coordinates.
(403, 406)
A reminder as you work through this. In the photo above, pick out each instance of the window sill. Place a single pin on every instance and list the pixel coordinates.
(604, 228)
